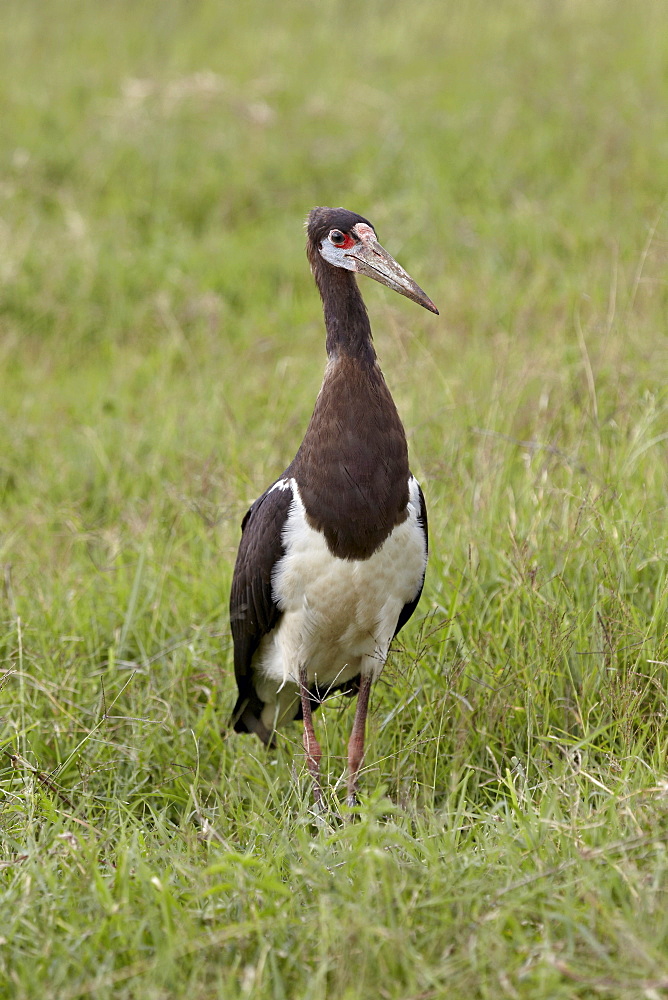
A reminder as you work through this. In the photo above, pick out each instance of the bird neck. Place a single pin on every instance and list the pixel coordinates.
(346, 318)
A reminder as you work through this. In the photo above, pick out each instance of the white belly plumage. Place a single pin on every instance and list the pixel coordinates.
(339, 615)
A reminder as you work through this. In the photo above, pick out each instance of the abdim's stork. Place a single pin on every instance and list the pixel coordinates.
(332, 556)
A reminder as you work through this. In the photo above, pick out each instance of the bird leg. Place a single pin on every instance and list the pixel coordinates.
(311, 745)
(356, 742)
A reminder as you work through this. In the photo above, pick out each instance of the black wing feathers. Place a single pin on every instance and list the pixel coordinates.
(253, 612)
(409, 608)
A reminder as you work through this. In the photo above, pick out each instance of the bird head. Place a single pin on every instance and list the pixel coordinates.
(347, 240)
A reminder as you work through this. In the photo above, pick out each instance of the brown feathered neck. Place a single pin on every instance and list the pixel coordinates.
(352, 466)
(346, 318)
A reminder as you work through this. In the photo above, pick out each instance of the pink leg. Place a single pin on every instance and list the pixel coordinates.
(356, 742)
(311, 745)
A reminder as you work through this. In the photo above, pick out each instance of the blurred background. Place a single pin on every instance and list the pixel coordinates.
(161, 337)
(159, 159)
(161, 347)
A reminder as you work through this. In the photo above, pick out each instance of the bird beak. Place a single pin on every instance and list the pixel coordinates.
(373, 260)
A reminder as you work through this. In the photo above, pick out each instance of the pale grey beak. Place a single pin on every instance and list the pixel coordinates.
(374, 261)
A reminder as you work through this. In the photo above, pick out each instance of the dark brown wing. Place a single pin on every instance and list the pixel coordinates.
(409, 608)
(253, 611)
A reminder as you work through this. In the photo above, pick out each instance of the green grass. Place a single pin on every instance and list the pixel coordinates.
(161, 346)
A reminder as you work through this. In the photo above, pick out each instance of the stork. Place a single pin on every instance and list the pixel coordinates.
(332, 557)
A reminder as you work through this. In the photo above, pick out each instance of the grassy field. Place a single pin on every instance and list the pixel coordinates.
(161, 346)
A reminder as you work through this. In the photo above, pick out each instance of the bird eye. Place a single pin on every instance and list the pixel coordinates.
(337, 237)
